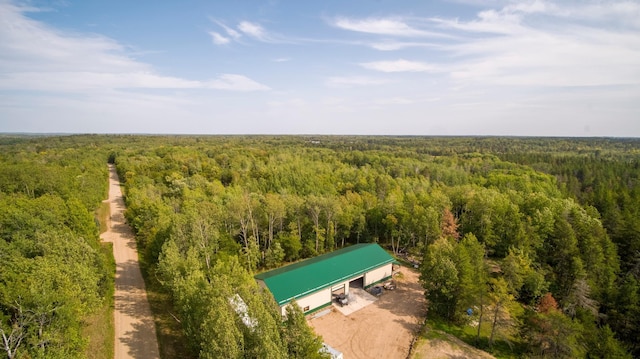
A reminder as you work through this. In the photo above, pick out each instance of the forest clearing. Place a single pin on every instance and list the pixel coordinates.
(383, 329)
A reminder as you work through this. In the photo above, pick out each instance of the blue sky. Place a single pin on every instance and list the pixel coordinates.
(380, 67)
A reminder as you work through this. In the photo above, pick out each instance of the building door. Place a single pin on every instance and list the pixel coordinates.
(357, 283)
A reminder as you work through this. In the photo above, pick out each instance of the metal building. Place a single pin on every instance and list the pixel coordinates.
(315, 281)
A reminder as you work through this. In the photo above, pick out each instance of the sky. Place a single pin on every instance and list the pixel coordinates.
(368, 67)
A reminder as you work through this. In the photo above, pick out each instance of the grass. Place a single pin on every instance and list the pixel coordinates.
(468, 334)
(99, 327)
(102, 215)
(172, 342)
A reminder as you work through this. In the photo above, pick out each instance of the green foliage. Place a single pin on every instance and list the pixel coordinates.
(553, 335)
(274, 256)
(500, 221)
(53, 273)
(301, 341)
(524, 281)
(440, 277)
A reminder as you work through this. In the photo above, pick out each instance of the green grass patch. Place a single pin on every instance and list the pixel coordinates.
(99, 327)
(102, 215)
(432, 334)
(468, 334)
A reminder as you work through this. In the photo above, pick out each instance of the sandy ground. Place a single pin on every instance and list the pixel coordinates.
(383, 329)
(447, 348)
(135, 330)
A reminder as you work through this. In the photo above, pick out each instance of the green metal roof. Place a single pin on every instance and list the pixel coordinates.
(311, 275)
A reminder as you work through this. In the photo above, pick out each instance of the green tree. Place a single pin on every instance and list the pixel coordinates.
(290, 239)
(439, 277)
(523, 279)
(275, 211)
(503, 310)
(274, 255)
(299, 338)
(549, 333)
(474, 275)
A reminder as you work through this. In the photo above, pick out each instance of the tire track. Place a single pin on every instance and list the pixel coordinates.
(135, 332)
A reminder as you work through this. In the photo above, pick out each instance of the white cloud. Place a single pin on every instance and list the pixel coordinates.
(487, 21)
(244, 29)
(547, 44)
(383, 26)
(377, 26)
(525, 43)
(508, 67)
(231, 32)
(626, 13)
(399, 45)
(352, 81)
(79, 82)
(218, 39)
(400, 66)
(531, 7)
(34, 56)
(254, 30)
(522, 43)
(27, 44)
(235, 83)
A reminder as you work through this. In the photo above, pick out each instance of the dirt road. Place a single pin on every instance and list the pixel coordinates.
(134, 326)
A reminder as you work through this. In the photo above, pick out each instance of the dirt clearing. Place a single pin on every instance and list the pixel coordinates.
(383, 329)
(445, 348)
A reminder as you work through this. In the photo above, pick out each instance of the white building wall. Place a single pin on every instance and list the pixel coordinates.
(344, 285)
(378, 274)
(323, 297)
(312, 301)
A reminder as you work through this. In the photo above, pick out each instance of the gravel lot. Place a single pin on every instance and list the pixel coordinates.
(383, 329)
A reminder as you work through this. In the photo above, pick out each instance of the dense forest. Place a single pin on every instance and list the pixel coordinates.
(536, 241)
(54, 274)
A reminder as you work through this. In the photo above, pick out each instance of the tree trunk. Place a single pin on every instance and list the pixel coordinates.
(272, 221)
(494, 324)
(480, 316)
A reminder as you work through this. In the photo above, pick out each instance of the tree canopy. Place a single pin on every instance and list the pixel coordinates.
(500, 225)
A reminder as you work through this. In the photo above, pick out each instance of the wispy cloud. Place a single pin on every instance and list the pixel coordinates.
(380, 26)
(253, 30)
(242, 30)
(353, 81)
(231, 32)
(34, 56)
(400, 66)
(533, 43)
(488, 21)
(80, 82)
(235, 83)
(396, 33)
(218, 39)
(400, 45)
(548, 44)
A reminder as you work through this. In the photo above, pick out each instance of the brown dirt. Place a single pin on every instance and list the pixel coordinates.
(384, 329)
(135, 332)
(449, 347)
